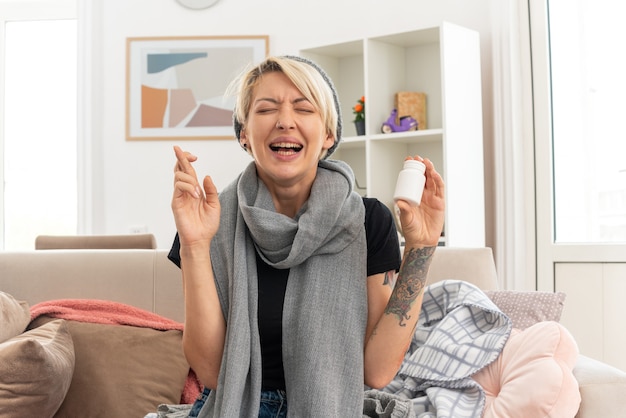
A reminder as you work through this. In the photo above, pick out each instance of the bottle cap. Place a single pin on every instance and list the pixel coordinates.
(415, 165)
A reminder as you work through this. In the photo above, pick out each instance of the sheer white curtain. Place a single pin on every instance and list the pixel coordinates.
(513, 146)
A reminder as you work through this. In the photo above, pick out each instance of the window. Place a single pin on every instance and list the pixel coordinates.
(39, 136)
(579, 148)
(588, 109)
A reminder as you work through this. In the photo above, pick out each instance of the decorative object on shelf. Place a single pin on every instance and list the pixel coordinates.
(410, 103)
(175, 85)
(398, 124)
(360, 126)
(359, 116)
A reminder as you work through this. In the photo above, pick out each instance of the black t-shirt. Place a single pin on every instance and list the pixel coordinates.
(383, 254)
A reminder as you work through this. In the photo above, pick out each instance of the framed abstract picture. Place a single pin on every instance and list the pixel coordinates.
(175, 86)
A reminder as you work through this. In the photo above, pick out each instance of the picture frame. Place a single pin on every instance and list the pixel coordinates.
(175, 86)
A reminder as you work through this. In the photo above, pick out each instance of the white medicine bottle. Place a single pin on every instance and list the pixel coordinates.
(410, 184)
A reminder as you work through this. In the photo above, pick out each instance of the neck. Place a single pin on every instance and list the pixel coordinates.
(289, 196)
(289, 200)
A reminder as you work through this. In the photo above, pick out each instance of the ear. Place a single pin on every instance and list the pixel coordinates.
(243, 138)
(329, 141)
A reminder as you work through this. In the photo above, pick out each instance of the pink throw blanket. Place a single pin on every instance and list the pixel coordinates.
(115, 313)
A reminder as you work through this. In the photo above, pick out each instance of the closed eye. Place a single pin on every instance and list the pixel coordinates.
(265, 110)
(303, 105)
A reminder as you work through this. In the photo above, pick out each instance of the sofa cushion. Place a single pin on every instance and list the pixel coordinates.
(533, 375)
(526, 308)
(123, 371)
(14, 316)
(35, 371)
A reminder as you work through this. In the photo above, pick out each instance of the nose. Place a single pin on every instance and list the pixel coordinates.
(285, 120)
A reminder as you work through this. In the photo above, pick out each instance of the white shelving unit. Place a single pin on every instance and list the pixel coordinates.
(444, 63)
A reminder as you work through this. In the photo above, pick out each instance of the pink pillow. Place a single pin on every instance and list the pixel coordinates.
(533, 376)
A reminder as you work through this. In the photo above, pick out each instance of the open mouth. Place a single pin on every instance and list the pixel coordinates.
(286, 148)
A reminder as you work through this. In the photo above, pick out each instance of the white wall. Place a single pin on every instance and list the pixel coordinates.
(129, 183)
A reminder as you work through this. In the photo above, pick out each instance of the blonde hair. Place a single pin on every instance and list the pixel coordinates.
(309, 79)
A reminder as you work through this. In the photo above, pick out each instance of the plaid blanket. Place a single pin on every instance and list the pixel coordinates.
(459, 332)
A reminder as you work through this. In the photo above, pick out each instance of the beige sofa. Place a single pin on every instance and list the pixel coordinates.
(100, 242)
(146, 279)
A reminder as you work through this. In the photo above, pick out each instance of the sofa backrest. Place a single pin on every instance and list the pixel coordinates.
(474, 265)
(142, 278)
(100, 242)
(148, 280)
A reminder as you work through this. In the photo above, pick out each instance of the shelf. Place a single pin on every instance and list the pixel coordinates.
(409, 138)
(444, 63)
(342, 50)
(427, 135)
(348, 141)
(411, 39)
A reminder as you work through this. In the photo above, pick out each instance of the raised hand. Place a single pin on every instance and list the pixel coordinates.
(422, 225)
(196, 210)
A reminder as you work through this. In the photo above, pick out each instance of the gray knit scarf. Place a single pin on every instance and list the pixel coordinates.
(325, 308)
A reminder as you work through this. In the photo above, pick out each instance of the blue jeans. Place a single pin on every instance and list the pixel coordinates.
(273, 404)
(199, 403)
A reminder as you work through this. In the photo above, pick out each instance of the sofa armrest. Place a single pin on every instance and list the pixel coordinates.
(602, 389)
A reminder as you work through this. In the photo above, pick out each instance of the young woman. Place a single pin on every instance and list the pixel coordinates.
(288, 273)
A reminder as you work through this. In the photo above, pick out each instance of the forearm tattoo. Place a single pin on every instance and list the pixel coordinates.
(411, 282)
(390, 279)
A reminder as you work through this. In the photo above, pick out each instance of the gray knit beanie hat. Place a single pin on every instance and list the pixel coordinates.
(328, 81)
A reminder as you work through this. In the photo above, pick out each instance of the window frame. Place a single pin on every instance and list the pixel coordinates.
(549, 252)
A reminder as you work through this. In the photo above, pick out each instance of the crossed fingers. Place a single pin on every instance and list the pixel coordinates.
(185, 178)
